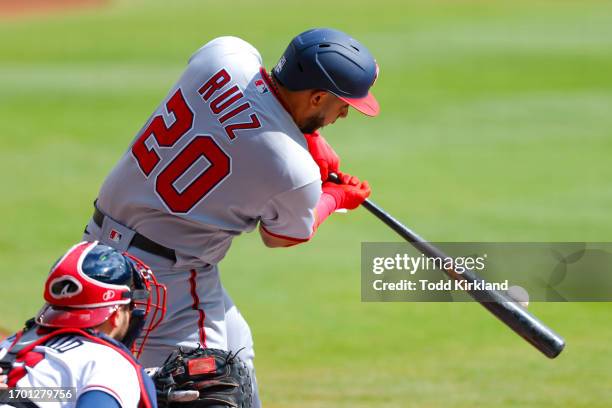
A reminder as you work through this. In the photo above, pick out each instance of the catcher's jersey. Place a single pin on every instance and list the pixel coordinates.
(74, 361)
(218, 155)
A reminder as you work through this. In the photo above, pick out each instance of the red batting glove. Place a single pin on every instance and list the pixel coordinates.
(323, 154)
(350, 194)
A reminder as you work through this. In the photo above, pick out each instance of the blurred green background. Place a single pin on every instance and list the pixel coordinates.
(495, 126)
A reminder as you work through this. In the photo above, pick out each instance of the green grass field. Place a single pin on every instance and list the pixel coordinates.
(496, 126)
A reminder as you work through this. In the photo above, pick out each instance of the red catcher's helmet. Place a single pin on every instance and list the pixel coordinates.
(89, 283)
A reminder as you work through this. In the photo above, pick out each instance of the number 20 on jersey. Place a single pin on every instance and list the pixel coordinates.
(227, 103)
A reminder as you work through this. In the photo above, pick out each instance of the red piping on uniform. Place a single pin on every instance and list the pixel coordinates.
(17, 337)
(29, 359)
(112, 392)
(144, 396)
(196, 306)
(272, 87)
(292, 239)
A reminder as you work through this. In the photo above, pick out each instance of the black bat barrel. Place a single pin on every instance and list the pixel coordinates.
(499, 304)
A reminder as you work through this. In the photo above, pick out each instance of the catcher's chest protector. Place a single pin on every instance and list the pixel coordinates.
(29, 346)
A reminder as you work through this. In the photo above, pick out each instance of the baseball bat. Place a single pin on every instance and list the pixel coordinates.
(499, 304)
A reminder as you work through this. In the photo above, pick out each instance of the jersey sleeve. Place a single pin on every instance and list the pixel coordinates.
(115, 376)
(290, 215)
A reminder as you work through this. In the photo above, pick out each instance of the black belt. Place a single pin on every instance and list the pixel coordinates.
(140, 241)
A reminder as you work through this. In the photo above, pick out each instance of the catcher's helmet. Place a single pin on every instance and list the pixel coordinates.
(89, 282)
(331, 60)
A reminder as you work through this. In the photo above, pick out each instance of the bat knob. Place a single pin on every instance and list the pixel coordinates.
(333, 177)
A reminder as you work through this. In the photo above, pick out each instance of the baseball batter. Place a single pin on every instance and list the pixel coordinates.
(230, 147)
(96, 297)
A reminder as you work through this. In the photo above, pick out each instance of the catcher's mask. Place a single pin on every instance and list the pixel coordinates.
(90, 282)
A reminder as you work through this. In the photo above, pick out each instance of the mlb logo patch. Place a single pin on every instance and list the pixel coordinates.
(114, 236)
(261, 86)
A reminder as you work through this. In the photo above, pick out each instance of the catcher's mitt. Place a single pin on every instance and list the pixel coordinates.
(203, 377)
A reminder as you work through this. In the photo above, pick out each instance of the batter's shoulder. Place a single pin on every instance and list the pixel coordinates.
(226, 46)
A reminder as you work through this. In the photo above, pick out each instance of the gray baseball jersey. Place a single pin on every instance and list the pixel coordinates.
(217, 156)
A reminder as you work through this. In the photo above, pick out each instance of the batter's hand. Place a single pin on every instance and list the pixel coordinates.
(3, 381)
(323, 154)
(350, 194)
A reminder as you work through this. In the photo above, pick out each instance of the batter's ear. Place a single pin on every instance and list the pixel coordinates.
(318, 97)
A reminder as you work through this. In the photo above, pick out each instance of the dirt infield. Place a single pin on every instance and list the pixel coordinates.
(24, 8)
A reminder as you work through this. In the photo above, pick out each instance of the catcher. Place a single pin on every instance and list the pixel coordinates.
(98, 301)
